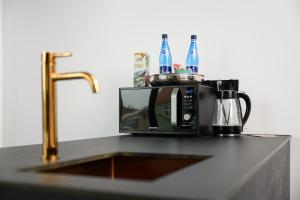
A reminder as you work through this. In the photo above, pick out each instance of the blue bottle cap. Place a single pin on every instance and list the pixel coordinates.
(193, 36)
(164, 36)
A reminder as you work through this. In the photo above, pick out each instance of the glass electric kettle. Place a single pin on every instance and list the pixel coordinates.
(228, 119)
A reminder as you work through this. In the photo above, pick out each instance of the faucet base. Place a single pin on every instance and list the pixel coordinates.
(51, 158)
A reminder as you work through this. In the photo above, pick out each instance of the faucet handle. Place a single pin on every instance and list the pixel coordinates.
(50, 56)
(62, 54)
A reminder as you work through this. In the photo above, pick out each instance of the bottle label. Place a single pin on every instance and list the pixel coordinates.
(194, 69)
(193, 51)
(165, 51)
(165, 70)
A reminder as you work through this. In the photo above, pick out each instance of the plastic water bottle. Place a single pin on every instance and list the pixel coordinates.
(192, 58)
(165, 58)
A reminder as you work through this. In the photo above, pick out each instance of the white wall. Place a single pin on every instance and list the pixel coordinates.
(1, 67)
(255, 41)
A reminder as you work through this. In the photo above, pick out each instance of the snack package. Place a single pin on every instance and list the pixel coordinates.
(141, 69)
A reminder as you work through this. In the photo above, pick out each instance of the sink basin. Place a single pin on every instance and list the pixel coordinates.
(138, 166)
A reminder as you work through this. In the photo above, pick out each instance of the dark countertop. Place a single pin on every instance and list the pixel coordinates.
(234, 161)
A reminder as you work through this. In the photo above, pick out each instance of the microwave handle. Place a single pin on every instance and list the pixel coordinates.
(152, 118)
(174, 107)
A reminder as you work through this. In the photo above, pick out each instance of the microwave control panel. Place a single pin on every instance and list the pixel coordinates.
(188, 108)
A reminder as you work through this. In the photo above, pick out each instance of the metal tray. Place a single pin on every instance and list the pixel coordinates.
(175, 79)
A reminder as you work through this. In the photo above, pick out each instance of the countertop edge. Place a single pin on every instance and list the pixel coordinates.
(243, 181)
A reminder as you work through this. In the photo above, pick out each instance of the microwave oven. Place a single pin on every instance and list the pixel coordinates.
(167, 110)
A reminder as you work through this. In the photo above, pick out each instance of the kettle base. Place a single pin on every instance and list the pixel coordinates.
(227, 130)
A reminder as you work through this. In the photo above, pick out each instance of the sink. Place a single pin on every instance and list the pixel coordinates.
(139, 166)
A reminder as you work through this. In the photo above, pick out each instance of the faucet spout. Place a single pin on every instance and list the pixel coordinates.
(78, 75)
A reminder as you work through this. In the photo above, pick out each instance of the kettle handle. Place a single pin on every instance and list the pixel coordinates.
(247, 100)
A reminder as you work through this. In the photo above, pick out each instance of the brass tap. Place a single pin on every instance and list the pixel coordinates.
(49, 78)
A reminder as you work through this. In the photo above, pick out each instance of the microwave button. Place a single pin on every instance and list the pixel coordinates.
(187, 117)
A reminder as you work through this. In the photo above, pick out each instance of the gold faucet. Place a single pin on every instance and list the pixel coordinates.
(49, 78)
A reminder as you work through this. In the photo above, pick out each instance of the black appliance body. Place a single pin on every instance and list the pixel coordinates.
(167, 110)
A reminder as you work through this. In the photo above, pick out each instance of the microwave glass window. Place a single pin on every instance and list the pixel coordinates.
(134, 111)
